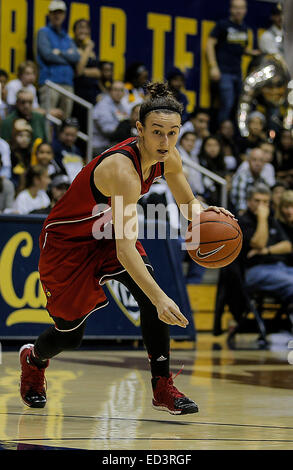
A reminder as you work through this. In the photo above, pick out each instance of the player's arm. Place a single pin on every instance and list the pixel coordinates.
(180, 188)
(121, 182)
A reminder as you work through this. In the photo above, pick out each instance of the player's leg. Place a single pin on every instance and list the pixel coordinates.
(156, 338)
(34, 359)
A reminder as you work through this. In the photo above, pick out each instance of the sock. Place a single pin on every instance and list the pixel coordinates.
(160, 365)
(36, 361)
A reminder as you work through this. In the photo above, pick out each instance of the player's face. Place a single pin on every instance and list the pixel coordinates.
(160, 134)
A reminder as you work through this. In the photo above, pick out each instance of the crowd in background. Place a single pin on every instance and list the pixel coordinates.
(39, 162)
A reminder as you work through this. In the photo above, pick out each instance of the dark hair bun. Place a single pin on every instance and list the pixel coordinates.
(159, 90)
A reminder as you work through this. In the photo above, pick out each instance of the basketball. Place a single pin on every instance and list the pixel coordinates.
(214, 240)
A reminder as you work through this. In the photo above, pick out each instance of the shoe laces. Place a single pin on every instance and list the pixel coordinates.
(170, 386)
(34, 378)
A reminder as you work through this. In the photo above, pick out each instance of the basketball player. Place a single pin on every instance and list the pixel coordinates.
(74, 264)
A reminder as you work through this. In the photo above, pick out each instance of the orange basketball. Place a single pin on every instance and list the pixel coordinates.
(213, 240)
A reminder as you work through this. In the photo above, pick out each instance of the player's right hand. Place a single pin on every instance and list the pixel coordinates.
(215, 73)
(169, 312)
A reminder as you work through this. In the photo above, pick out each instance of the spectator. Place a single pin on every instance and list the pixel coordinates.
(6, 192)
(5, 159)
(20, 152)
(106, 79)
(59, 186)
(127, 127)
(211, 157)
(67, 155)
(198, 123)
(3, 103)
(272, 40)
(227, 43)
(185, 148)
(256, 123)
(34, 196)
(136, 77)
(57, 57)
(268, 149)
(24, 105)
(27, 74)
(268, 171)
(242, 180)
(285, 217)
(226, 134)
(107, 115)
(176, 82)
(45, 158)
(265, 246)
(277, 191)
(87, 71)
(284, 156)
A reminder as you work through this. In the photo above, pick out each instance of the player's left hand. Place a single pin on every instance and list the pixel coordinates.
(219, 210)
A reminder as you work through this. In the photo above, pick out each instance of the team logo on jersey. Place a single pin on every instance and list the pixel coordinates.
(125, 301)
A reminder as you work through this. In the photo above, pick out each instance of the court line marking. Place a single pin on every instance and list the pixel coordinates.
(144, 439)
(152, 420)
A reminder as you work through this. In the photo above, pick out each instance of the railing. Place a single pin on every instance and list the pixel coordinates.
(212, 176)
(85, 137)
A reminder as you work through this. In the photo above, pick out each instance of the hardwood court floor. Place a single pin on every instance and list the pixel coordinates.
(102, 400)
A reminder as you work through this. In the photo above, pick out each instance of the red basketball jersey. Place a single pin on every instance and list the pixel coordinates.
(72, 218)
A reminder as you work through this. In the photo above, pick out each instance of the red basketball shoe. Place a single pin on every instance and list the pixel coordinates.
(32, 381)
(168, 398)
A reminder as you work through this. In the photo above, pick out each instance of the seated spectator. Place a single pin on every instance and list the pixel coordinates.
(34, 196)
(242, 180)
(57, 57)
(211, 157)
(226, 134)
(7, 192)
(24, 110)
(268, 171)
(45, 158)
(87, 72)
(265, 246)
(285, 217)
(198, 122)
(176, 82)
(20, 145)
(136, 78)
(256, 123)
(67, 155)
(3, 101)
(106, 79)
(272, 40)
(27, 74)
(58, 188)
(107, 115)
(127, 127)
(277, 191)
(5, 159)
(186, 145)
(284, 156)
